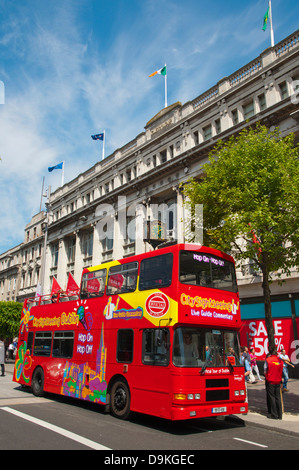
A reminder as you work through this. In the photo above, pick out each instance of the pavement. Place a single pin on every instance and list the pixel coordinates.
(257, 414)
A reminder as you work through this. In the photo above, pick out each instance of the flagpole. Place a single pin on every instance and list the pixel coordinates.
(271, 24)
(62, 176)
(103, 151)
(166, 88)
(41, 198)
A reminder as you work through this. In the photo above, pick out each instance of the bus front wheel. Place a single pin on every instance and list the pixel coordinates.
(37, 384)
(120, 399)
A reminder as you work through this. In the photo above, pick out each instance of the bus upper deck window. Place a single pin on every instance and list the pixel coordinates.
(122, 278)
(156, 272)
(93, 284)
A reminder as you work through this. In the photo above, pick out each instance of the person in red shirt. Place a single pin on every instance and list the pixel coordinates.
(273, 373)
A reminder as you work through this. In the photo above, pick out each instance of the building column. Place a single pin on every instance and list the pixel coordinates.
(97, 247)
(78, 257)
(62, 264)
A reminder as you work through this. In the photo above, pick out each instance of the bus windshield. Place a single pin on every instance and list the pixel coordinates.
(205, 270)
(198, 347)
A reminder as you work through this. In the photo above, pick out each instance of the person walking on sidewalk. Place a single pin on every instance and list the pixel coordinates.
(254, 366)
(2, 358)
(273, 373)
(285, 372)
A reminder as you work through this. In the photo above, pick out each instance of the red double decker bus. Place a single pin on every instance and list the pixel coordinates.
(155, 333)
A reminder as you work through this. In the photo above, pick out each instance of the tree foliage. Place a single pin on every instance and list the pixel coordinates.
(10, 317)
(250, 195)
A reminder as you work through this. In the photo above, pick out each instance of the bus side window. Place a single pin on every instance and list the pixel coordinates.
(155, 346)
(125, 341)
(122, 278)
(63, 344)
(93, 284)
(156, 272)
(30, 341)
(42, 343)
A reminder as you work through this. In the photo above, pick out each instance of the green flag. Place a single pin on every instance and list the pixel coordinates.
(266, 17)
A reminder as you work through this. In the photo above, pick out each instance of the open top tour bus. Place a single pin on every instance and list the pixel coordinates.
(155, 333)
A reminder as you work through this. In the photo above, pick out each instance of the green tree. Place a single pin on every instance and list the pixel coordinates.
(10, 317)
(250, 194)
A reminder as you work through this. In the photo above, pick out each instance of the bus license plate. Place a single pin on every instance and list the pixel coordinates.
(222, 409)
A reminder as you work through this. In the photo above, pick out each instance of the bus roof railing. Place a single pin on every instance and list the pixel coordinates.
(50, 298)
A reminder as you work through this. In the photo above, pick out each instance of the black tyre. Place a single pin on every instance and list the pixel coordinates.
(120, 399)
(37, 384)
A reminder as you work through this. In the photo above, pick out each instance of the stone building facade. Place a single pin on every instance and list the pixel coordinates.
(100, 215)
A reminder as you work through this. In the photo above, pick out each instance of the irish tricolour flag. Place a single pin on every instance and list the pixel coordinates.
(161, 71)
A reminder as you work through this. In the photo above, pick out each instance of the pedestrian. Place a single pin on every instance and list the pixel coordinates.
(2, 358)
(273, 373)
(11, 349)
(285, 372)
(245, 361)
(254, 366)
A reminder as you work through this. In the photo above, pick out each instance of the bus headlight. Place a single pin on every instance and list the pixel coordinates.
(180, 396)
(186, 396)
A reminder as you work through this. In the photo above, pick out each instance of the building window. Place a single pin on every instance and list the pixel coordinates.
(218, 126)
(107, 237)
(71, 250)
(87, 244)
(283, 90)
(129, 176)
(262, 101)
(55, 251)
(207, 132)
(235, 117)
(248, 110)
(163, 156)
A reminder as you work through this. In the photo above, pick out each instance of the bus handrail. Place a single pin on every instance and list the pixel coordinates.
(49, 299)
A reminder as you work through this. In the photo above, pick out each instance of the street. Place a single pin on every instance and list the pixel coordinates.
(59, 423)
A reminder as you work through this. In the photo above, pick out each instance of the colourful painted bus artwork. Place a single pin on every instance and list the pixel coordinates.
(81, 381)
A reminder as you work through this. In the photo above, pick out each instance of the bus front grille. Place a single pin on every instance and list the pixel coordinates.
(217, 395)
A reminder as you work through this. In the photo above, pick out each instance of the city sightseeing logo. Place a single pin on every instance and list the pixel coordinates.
(157, 304)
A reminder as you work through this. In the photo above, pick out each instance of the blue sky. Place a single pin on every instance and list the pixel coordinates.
(72, 68)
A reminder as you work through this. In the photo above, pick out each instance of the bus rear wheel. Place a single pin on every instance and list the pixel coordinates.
(120, 399)
(38, 380)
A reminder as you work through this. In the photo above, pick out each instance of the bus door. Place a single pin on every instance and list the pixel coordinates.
(153, 383)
